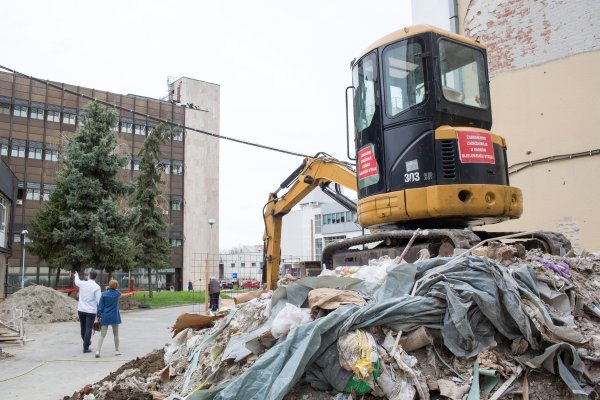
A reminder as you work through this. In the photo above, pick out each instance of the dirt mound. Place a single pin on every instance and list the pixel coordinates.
(42, 304)
(128, 303)
(4, 355)
(130, 381)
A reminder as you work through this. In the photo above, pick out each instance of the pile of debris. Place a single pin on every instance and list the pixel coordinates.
(42, 304)
(517, 325)
(128, 303)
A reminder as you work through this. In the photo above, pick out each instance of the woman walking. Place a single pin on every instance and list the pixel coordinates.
(108, 314)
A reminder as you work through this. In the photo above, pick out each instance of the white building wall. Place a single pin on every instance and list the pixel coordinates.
(431, 12)
(201, 172)
(298, 235)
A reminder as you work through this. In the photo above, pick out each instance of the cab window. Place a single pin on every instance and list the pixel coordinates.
(404, 78)
(463, 77)
(364, 79)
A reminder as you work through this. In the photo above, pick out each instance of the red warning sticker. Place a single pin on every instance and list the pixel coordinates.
(368, 171)
(476, 147)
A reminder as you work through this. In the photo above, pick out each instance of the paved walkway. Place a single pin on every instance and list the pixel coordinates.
(141, 332)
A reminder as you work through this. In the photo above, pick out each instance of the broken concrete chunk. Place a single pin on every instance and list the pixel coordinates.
(452, 390)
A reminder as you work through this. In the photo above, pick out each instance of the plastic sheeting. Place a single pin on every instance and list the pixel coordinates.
(468, 300)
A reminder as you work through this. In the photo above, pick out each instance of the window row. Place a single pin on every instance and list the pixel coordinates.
(34, 191)
(243, 265)
(169, 167)
(142, 129)
(335, 218)
(30, 149)
(39, 111)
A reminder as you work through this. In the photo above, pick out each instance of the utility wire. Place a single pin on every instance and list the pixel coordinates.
(73, 92)
(518, 167)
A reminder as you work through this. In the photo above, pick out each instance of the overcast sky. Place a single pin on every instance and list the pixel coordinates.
(282, 67)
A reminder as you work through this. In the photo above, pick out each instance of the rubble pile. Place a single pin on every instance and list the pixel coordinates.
(42, 304)
(505, 323)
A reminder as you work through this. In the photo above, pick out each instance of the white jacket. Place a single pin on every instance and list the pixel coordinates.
(89, 295)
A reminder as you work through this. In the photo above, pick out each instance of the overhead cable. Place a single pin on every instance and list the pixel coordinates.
(151, 117)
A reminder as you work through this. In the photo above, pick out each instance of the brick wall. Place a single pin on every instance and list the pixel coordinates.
(523, 33)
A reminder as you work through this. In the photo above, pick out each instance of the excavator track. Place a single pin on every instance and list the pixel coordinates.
(440, 242)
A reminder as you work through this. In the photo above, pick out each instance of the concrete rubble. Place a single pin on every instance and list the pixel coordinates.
(505, 323)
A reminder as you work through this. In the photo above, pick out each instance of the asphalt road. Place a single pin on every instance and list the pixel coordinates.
(141, 332)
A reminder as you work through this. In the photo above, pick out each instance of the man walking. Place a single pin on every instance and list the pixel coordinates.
(89, 296)
(214, 289)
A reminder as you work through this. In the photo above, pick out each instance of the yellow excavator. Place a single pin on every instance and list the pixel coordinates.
(425, 158)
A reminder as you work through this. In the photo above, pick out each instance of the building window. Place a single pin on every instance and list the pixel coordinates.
(333, 239)
(53, 116)
(177, 167)
(18, 148)
(5, 108)
(20, 111)
(150, 128)
(17, 238)
(253, 264)
(116, 127)
(176, 203)
(3, 146)
(37, 113)
(69, 118)
(35, 150)
(126, 127)
(33, 191)
(127, 165)
(51, 152)
(140, 129)
(178, 134)
(47, 190)
(318, 223)
(165, 165)
(136, 164)
(3, 222)
(242, 265)
(318, 248)
(232, 265)
(338, 218)
(176, 242)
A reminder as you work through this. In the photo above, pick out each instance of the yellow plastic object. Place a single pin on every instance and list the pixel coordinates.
(363, 366)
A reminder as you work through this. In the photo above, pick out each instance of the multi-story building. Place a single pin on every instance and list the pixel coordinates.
(315, 223)
(8, 193)
(36, 120)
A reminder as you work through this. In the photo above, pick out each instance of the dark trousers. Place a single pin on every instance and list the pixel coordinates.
(86, 322)
(214, 301)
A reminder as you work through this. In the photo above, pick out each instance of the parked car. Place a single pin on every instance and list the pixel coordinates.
(251, 284)
(226, 284)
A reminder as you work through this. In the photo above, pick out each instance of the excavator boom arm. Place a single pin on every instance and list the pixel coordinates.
(314, 172)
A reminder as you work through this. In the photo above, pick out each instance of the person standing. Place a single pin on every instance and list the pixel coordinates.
(190, 286)
(214, 290)
(108, 314)
(87, 306)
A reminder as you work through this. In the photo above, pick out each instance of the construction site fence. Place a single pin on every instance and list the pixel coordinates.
(241, 271)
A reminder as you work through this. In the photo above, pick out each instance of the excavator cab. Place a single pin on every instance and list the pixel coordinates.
(424, 153)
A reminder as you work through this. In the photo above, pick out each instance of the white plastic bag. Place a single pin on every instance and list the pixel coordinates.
(289, 318)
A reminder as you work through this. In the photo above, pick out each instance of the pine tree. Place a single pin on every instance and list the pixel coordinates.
(82, 224)
(43, 244)
(153, 249)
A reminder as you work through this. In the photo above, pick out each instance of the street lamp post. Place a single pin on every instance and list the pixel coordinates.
(211, 222)
(24, 234)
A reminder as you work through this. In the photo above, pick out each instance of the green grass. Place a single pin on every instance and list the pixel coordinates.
(166, 298)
